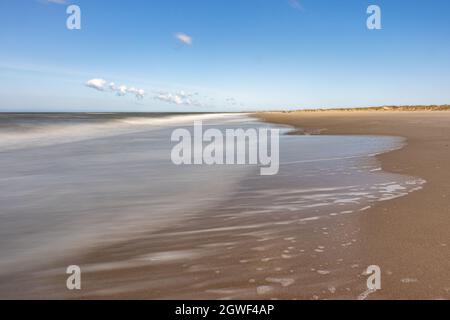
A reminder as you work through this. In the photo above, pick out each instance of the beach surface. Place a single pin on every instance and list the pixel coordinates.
(141, 228)
(408, 237)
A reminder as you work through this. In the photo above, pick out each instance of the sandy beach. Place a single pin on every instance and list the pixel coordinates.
(277, 237)
(408, 237)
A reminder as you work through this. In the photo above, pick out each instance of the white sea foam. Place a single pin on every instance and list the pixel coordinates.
(58, 131)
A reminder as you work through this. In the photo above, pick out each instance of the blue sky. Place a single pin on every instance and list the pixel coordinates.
(243, 55)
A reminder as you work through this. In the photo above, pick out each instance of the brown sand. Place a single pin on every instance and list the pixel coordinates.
(231, 252)
(408, 236)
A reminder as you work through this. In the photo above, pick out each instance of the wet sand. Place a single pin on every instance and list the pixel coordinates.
(408, 237)
(233, 252)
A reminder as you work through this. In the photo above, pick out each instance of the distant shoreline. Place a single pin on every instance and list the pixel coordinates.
(445, 107)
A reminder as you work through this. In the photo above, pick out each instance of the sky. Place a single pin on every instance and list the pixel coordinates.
(222, 55)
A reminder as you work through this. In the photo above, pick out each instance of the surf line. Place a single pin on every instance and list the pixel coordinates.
(234, 146)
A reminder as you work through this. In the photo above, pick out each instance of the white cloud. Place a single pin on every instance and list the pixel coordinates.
(139, 93)
(98, 84)
(169, 97)
(181, 98)
(122, 90)
(184, 38)
(178, 98)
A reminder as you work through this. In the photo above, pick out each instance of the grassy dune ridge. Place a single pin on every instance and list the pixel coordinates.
(444, 107)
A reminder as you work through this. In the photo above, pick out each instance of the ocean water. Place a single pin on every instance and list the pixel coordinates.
(74, 182)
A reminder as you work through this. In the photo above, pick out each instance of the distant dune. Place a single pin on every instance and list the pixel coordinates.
(444, 107)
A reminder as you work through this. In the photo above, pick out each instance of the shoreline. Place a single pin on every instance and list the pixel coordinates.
(240, 250)
(408, 236)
